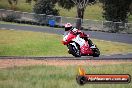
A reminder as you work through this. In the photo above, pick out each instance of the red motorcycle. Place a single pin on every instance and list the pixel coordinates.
(77, 46)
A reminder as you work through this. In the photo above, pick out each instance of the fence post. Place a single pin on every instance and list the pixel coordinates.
(58, 20)
(18, 14)
(1, 14)
(102, 25)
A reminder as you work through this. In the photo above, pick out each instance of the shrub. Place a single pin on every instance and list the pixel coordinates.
(11, 17)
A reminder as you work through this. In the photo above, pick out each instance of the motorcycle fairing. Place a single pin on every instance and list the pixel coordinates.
(84, 47)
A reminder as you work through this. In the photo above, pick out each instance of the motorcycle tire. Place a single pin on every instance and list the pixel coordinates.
(75, 52)
(96, 52)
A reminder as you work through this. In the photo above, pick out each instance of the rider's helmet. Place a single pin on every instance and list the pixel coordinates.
(68, 26)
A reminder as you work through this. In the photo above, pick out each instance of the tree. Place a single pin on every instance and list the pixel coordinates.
(116, 10)
(130, 9)
(29, 1)
(13, 4)
(80, 4)
(66, 4)
(45, 7)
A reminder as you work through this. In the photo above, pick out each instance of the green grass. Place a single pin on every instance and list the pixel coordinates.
(58, 77)
(92, 12)
(21, 6)
(27, 43)
(108, 47)
(23, 43)
(130, 18)
(4, 4)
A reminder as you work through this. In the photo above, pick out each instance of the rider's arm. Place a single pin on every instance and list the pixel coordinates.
(82, 34)
(77, 31)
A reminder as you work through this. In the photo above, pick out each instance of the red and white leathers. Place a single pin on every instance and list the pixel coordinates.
(68, 27)
(83, 35)
(77, 31)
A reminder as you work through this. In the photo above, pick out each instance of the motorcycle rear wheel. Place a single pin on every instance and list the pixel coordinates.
(96, 52)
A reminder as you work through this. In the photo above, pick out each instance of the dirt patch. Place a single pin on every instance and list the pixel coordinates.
(6, 63)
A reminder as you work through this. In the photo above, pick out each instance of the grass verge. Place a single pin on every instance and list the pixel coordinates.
(21, 43)
(58, 77)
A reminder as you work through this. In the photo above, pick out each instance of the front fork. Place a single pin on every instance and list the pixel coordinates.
(68, 51)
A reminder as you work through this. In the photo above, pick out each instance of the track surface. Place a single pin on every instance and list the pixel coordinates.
(124, 38)
(68, 58)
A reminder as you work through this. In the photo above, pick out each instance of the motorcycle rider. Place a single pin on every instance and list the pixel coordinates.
(69, 27)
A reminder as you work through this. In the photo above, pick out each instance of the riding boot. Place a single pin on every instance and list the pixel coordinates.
(91, 43)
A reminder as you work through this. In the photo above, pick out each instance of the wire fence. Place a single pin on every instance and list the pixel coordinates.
(59, 21)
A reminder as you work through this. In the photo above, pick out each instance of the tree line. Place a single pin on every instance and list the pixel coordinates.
(113, 10)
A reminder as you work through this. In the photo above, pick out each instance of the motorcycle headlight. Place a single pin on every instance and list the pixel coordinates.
(64, 39)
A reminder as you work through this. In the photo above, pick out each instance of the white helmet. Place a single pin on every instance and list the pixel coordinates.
(68, 26)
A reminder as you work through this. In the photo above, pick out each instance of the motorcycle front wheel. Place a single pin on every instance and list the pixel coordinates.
(75, 52)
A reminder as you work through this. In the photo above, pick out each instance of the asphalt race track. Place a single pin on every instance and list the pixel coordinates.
(124, 38)
(112, 57)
